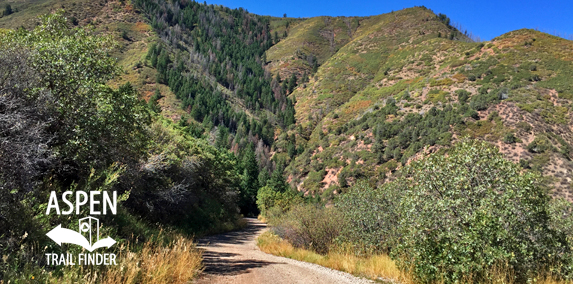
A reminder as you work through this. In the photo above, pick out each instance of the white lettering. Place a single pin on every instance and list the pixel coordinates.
(108, 201)
(70, 205)
(53, 203)
(94, 202)
(80, 202)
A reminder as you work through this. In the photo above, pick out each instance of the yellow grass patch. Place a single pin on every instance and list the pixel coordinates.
(142, 27)
(355, 107)
(177, 262)
(460, 78)
(374, 267)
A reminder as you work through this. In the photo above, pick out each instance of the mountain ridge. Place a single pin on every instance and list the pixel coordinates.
(349, 69)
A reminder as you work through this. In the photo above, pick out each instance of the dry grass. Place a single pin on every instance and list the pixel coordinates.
(378, 267)
(177, 262)
(374, 267)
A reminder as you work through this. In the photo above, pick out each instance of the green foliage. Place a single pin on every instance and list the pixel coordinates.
(436, 96)
(7, 10)
(441, 82)
(411, 133)
(249, 183)
(445, 234)
(524, 126)
(370, 218)
(561, 211)
(310, 227)
(229, 46)
(509, 138)
(153, 101)
(184, 177)
(463, 96)
(540, 144)
(483, 100)
(96, 124)
(89, 136)
(275, 203)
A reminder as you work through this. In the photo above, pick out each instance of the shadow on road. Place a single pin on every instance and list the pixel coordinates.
(217, 263)
(217, 258)
(237, 237)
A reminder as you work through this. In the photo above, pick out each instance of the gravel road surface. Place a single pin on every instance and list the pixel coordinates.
(234, 258)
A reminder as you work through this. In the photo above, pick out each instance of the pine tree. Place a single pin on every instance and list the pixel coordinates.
(249, 182)
(8, 10)
(292, 83)
(314, 67)
(277, 181)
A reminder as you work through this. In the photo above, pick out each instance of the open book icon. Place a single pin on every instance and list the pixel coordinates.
(62, 235)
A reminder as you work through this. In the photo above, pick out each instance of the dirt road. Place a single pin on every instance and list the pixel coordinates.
(234, 258)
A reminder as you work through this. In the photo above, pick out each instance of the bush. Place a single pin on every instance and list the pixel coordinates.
(524, 126)
(370, 217)
(539, 145)
(509, 138)
(472, 113)
(7, 10)
(471, 210)
(463, 96)
(561, 212)
(95, 125)
(272, 202)
(311, 227)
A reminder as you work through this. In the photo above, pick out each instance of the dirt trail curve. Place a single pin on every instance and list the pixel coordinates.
(234, 258)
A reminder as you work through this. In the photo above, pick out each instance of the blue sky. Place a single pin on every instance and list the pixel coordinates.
(485, 18)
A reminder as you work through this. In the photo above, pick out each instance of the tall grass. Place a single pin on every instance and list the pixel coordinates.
(374, 267)
(381, 266)
(177, 261)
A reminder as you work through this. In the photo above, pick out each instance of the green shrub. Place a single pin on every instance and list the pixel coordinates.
(310, 227)
(463, 96)
(539, 145)
(269, 200)
(472, 113)
(484, 99)
(509, 138)
(7, 10)
(470, 210)
(524, 126)
(561, 211)
(370, 217)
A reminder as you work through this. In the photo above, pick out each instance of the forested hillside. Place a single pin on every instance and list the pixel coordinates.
(406, 83)
(209, 113)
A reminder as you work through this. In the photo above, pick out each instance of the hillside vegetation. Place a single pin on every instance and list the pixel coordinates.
(393, 142)
(408, 83)
(64, 128)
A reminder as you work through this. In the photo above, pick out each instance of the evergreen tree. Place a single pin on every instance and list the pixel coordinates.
(292, 83)
(153, 101)
(8, 10)
(249, 182)
(277, 181)
(314, 66)
(264, 177)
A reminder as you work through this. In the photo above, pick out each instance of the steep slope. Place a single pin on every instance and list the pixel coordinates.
(372, 93)
(119, 18)
(402, 86)
(309, 42)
